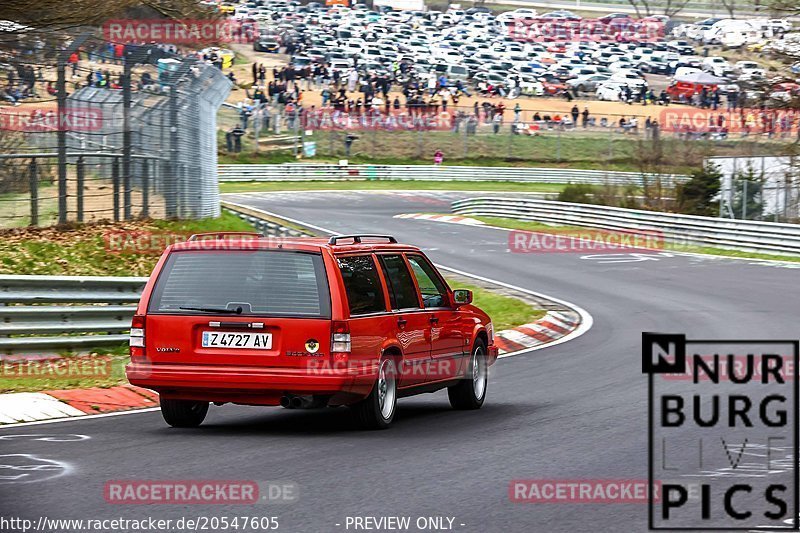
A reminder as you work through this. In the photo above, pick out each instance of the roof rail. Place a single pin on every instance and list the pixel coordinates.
(357, 238)
(220, 234)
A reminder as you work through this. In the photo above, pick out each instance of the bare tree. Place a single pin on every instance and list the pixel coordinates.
(58, 16)
(673, 7)
(730, 7)
(641, 5)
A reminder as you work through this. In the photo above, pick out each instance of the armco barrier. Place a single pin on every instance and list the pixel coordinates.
(51, 314)
(65, 313)
(746, 235)
(308, 172)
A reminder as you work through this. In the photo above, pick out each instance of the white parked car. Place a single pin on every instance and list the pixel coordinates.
(610, 91)
(717, 65)
(530, 86)
(629, 78)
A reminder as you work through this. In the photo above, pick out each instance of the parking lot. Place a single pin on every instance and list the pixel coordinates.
(446, 57)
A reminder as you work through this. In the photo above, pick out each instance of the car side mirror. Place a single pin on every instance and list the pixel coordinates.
(462, 297)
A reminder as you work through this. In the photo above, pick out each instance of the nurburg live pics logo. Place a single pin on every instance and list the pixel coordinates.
(723, 441)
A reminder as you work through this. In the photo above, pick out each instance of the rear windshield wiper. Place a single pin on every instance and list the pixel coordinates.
(237, 311)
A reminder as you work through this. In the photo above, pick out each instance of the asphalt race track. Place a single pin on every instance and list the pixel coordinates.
(572, 411)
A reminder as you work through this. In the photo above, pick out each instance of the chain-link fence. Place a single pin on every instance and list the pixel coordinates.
(667, 139)
(109, 131)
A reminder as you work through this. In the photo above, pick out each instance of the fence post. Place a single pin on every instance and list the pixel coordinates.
(296, 123)
(558, 146)
(61, 135)
(126, 137)
(171, 189)
(145, 189)
(465, 128)
(80, 169)
(33, 176)
(257, 120)
(511, 142)
(115, 182)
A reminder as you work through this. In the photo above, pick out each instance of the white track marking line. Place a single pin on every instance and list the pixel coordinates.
(79, 418)
(586, 319)
(585, 325)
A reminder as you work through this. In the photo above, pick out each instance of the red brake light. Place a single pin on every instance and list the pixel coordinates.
(136, 342)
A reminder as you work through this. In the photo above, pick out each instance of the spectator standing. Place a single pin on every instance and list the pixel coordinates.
(497, 121)
(438, 157)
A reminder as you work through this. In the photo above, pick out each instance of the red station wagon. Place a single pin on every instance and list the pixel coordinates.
(355, 320)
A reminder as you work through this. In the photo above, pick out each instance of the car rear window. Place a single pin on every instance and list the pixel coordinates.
(264, 283)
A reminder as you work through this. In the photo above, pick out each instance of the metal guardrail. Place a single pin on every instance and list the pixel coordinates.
(50, 314)
(309, 172)
(262, 224)
(53, 314)
(746, 235)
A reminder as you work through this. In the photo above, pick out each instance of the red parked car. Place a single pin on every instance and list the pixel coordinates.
(356, 320)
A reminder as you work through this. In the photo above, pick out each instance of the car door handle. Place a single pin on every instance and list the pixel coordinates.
(434, 320)
(402, 322)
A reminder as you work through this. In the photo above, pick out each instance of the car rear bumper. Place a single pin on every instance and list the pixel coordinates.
(231, 383)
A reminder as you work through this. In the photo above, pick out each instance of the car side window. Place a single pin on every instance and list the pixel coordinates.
(430, 285)
(402, 293)
(362, 284)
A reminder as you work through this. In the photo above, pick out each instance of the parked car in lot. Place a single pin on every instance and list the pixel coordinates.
(267, 44)
(356, 320)
(610, 91)
(587, 83)
(478, 48)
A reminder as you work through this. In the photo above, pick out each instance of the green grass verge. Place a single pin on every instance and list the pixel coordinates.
(37, 378)
(265, 186)
(506, 312)
(668, 247)
(576, 150)
(82, 250)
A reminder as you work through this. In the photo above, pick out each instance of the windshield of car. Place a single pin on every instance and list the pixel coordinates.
(262, 282)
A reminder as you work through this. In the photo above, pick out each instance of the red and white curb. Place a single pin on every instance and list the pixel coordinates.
(452, 219)
(19, 407)
(551, 327)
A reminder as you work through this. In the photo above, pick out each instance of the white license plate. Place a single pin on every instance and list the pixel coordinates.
(235, 340)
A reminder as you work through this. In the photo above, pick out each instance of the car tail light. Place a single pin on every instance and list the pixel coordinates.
(340, 342)
(136, 341)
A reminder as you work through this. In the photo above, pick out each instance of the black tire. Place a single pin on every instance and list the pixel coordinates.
(183, 413)
(468, 393)
(373, 412)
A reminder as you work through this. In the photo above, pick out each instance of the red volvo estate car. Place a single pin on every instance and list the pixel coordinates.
(356, 320)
